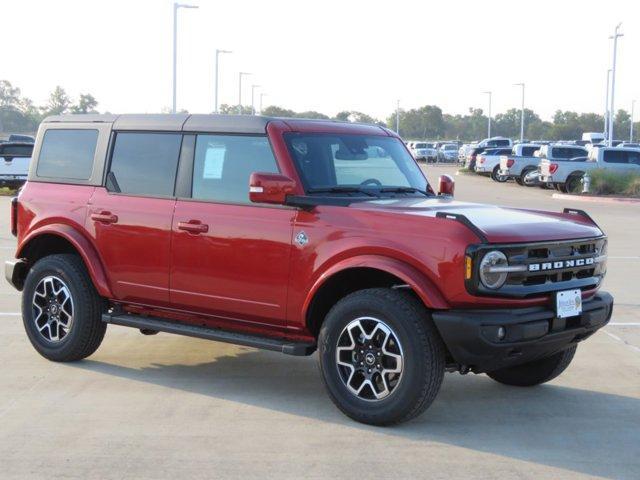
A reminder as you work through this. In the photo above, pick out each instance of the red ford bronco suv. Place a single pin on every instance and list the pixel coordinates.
(297, 235)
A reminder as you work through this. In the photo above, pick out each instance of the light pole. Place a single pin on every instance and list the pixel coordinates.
(262, 95)
(176, 6)
(398, 117)
(633, 105)
(521, 112)
(215, 101)
(253, 95)
(240, 91)
(615, 37)
(606, 106)
(489, 123)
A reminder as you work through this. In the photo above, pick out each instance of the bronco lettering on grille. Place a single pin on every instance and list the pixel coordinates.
(546, 266)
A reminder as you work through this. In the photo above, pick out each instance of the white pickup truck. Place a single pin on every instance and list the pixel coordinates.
(525, 159)
(14, 163)
(566, 176)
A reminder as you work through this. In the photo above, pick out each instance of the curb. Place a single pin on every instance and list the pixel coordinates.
(580, 198)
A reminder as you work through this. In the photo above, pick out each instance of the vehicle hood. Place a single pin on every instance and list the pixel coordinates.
(498, 224)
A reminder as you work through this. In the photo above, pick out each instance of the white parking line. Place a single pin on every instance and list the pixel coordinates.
(10, 314)
(625, 324)
(617, 338)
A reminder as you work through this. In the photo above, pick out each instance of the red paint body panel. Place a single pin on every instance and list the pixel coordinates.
(238, 266)
(136, 249)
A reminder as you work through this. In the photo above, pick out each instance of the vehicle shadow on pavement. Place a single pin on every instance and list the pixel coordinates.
(580, 430)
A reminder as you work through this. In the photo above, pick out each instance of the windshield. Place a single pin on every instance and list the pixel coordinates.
(420, 145)
(344, 163)
(450, 147)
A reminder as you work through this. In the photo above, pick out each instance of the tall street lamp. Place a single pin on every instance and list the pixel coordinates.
(215, 101)
(253, 95)
(176, 6)
(521, 112)
(615, 37)
(240, 75)
(633, 105)
(489, 123)
(606, 106)
(262, 95)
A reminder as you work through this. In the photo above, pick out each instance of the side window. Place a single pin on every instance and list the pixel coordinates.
(578, 152)
(633, 158)
(67, 154)
(614, 156)
(144, 163)
(223, 164)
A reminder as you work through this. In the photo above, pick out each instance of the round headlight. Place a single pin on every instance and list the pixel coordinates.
(491, 262)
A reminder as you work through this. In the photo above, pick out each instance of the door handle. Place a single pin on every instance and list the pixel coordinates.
(104, 217)
(193, 226)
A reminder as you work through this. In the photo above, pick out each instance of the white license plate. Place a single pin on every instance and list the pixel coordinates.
(568, 303)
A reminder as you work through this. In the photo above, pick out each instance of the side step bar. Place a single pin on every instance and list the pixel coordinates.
(267, 343)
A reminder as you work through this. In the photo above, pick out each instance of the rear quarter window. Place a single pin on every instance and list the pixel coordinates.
(16, 150)
(613, 156)
(67, 154)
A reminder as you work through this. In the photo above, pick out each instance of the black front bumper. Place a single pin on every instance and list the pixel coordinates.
(472, 336)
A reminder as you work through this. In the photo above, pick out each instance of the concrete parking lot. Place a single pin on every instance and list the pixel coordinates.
(174, 407)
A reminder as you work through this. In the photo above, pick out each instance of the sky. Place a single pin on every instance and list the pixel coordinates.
(326, 56)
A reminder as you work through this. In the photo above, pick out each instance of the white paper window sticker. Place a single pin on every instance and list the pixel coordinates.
(213, 160)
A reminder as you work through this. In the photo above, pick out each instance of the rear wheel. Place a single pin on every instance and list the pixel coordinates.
(573, 183)
(381, 358)
(522, 179)
(61, 309)
(495, 175)
(536, 372)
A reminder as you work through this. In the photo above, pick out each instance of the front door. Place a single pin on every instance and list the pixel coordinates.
(230, 258)
(130, 219)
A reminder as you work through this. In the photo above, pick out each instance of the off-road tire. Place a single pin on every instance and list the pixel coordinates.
(422, 348)
(87, 330)
(536, 372)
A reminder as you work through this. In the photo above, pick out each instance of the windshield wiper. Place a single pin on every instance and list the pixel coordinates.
(404, 190)
(366, 191)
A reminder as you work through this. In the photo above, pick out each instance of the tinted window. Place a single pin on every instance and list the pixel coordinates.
(613, 156)
(67, 154)
(576, 152)
(144, 163)
(633, 157)
(529, 151)
(223, 164)
(16, 150)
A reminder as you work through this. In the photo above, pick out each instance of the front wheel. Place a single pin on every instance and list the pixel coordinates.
(381, 358)
(61, 309)
(536, 372)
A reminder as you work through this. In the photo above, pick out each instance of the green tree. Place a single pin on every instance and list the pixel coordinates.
(58, 103)
(86, 104)
(275, 111)
(312, 114)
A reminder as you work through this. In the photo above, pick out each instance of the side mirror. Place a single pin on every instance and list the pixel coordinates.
(270, 188)
(446, 185)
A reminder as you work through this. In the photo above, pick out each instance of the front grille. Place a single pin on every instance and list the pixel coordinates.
(549, 266)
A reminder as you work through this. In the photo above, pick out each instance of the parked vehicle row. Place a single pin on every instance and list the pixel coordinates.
(15, 158)
(434, 151)
(560, 165)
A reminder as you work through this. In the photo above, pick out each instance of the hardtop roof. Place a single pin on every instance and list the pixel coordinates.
(212, 123)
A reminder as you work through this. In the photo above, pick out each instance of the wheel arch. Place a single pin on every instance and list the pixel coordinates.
(60, 238)
(366, 272)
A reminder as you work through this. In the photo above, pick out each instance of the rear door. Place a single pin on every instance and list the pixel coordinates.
(130, 218)
(230, 258)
